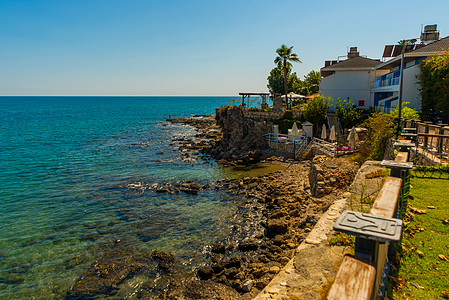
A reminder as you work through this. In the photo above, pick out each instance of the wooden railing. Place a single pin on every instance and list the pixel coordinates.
(363, 276)
(431, 138)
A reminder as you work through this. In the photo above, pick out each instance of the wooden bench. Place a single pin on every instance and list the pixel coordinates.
(387, 199)
(409, 134)
(354, 280)
(356, 277)
(402, 157)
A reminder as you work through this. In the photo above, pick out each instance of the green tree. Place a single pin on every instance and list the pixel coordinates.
(311, 83)
(294, 83)
(348, 113)
(276, 80)
(285, 56)
(315, 110)
(434, 82)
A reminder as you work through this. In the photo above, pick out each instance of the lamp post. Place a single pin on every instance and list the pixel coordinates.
(404, 43)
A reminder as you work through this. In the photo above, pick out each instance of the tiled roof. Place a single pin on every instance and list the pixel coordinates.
(437, 46)
(353, 63)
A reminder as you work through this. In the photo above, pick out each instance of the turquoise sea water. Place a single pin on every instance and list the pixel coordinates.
(64, 166)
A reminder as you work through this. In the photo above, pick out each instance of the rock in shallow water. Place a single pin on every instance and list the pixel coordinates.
(248, 245)
(205, 273)
(165, 258)
(104, 275)
(218, 248)
(200, 289)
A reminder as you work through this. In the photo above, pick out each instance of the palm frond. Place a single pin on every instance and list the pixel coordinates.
(294, 58)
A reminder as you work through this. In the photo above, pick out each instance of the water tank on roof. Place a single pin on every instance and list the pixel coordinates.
(430, 33)
(430, 28)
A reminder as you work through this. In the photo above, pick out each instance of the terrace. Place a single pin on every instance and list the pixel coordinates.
(388, 79)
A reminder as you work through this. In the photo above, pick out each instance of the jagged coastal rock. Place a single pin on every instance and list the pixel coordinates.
(243, 138)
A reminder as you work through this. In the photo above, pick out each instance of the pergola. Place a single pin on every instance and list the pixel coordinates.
(262, 95)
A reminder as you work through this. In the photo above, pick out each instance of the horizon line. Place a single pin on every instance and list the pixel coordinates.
(120, 96)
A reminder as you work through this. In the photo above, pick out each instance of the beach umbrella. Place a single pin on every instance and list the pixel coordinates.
(353, 138)
(295, 96)
(323, 132)
(295, 130)
(332, 135)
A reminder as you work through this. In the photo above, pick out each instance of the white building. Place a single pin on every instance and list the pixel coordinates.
(349, 79)
(386, 87)
(374, 84)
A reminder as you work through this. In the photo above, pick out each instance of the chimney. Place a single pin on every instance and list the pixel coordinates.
(353, 52)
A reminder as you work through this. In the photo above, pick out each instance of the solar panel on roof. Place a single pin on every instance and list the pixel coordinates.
(388, 50)
(397, 50)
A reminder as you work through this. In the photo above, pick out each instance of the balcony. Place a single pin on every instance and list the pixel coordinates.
(388, 79)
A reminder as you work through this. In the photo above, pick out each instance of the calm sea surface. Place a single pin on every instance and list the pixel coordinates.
(64, 166)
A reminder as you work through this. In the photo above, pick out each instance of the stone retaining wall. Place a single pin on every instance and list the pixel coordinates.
(270, 115)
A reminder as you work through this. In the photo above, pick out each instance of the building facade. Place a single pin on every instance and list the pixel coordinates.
(374, 84)
(349, 79)
(386, 87)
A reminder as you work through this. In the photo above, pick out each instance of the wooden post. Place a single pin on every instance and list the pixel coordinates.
(426, 139)
(440, 141)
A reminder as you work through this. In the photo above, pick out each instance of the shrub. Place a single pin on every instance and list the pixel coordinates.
(406, 112)
(348, 113)
(315, 110)
(380, 129)
(288, 114)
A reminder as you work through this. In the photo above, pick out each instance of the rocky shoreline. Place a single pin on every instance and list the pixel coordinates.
(279, 210)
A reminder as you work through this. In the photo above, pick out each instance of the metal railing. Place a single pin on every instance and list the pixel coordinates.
(299, 145)
(325, 147)
(286, 143)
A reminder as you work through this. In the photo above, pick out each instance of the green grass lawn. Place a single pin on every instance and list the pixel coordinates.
(420, 269)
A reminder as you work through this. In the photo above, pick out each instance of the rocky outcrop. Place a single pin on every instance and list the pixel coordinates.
(243, 138)
(326, 175)
(104, 275)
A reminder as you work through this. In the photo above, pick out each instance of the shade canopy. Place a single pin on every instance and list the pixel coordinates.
(292, 95)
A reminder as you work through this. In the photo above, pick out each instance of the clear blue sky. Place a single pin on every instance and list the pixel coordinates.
(137, 47)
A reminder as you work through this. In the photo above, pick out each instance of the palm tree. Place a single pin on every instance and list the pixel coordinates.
(285, 56)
